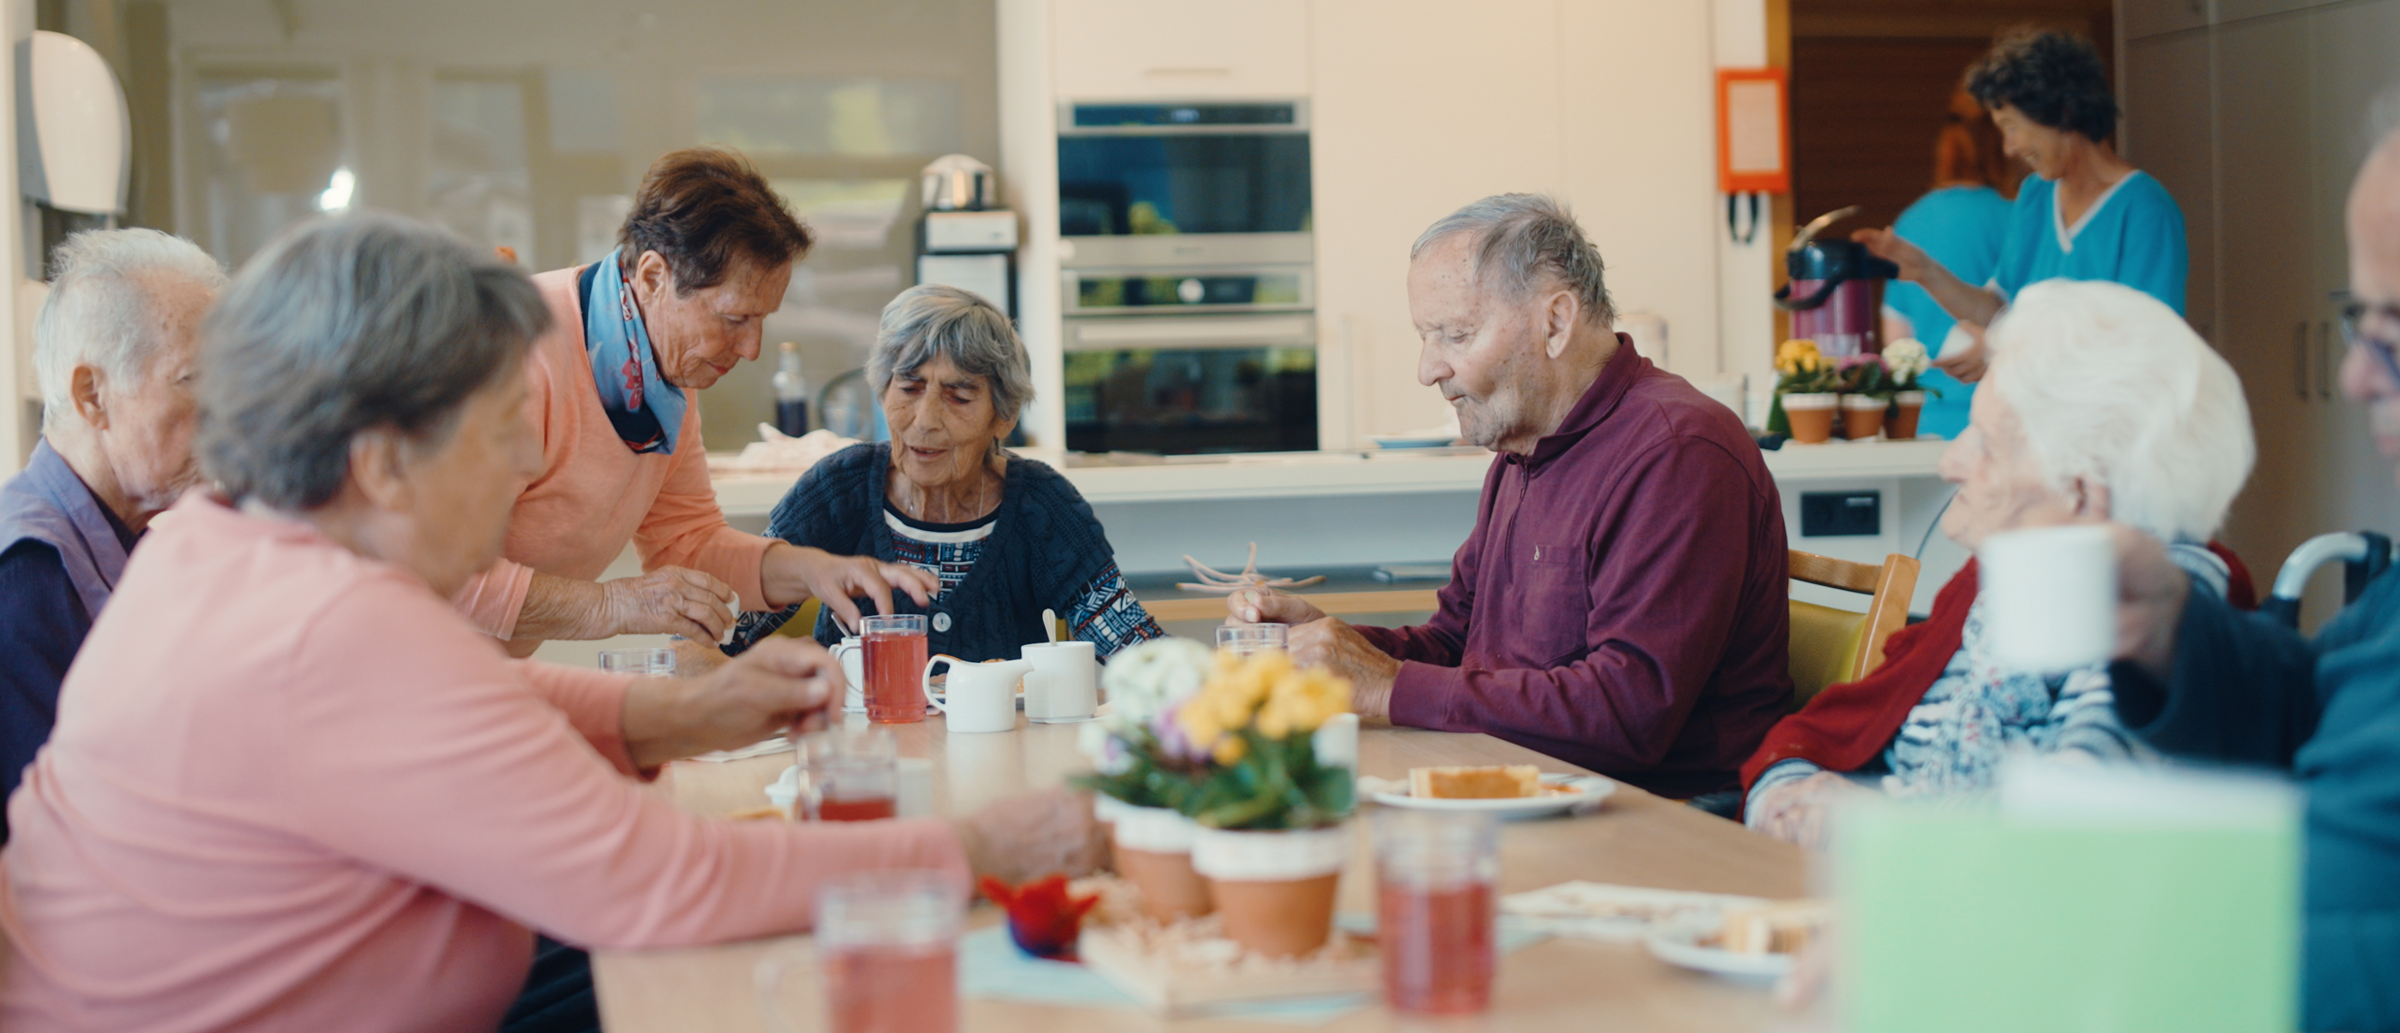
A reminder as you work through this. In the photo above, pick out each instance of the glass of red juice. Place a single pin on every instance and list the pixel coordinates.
(887, 943)
(895, 648)
(853, 774)
(886, 958)
(1437, 874)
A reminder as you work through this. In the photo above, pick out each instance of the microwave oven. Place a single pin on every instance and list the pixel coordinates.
(1200, 183)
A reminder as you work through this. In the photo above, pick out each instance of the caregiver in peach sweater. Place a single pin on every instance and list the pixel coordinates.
(701, 262)
(291, 790)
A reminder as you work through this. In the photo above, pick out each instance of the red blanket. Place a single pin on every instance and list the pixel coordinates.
(1846, 725)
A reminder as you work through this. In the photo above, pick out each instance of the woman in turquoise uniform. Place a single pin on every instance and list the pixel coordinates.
(1963, 224)
(2086, 214)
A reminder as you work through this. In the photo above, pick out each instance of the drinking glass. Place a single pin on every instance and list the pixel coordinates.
(655, 660)
(1245, 639)
(853, 774)
(1436, 878)
(895, 667)
(887, 954)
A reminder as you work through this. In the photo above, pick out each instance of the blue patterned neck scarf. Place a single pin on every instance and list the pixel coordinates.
(646, 410)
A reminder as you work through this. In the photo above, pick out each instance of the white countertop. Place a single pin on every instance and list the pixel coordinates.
(1333, 474)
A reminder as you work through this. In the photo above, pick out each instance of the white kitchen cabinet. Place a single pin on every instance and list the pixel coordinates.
(1613, 112)
(2284, 117)
(2138, 19)
(1179, 49)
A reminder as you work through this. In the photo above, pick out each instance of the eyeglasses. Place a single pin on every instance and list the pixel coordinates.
(2358, 316)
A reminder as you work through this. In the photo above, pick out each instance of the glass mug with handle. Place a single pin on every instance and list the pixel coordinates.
(1245, 639)
(886, 954)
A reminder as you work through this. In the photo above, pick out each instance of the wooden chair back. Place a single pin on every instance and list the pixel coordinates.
(1830, 645)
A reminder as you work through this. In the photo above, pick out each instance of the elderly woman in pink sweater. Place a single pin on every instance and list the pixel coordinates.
(291, 789)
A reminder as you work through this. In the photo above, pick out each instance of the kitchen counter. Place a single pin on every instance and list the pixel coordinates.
(1291, 475)
(1310, 511)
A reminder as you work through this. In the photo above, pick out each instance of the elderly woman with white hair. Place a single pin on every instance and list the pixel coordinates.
(1008, 536)
(2100, 404)
(114, 354)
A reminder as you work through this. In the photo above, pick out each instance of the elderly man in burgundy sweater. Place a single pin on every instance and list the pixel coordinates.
(1622, 602)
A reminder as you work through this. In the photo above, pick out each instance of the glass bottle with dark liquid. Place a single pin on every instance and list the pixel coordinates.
(791, 393)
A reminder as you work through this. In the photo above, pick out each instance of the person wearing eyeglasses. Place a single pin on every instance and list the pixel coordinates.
(2197, 679)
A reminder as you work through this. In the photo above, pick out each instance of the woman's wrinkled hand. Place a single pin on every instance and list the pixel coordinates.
(837, 580)
(778, 685)
(1023, 838)
(1797, 812)
(666, 601)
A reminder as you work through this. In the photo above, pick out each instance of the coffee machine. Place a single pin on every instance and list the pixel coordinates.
(1831, 295)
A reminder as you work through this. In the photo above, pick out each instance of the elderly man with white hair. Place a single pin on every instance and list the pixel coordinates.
(2100, 403)
(1622, 603)
(2197, 678)
(113, 351)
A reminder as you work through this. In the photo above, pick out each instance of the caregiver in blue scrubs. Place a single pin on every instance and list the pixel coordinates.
(1963, 223)
(2085, 215)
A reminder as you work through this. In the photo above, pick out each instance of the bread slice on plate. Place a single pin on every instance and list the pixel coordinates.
(1487, 782)
(1781, 927)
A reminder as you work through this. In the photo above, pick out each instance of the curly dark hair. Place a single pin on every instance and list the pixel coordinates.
(699, 207)
(2053, 78)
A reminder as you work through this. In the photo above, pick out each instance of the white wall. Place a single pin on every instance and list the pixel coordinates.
(16, 375)
(1745, 272)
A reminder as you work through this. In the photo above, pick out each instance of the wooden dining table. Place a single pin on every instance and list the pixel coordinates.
(1559, 984)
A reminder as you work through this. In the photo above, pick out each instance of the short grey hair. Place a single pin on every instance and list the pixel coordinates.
(345, 325)
(101, 310)
(931, 320)
(1525, 239)
(2111, 385)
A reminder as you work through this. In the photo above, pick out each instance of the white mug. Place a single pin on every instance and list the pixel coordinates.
(851, 653)
(1065, 683)
(2050, 597)
(979, 697)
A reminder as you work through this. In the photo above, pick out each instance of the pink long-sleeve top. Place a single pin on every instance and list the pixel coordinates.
(291, 790)
(595, 494)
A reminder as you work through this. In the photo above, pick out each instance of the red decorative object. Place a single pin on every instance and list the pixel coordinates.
(1043, 919)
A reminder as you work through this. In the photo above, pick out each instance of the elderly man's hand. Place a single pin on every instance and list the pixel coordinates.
(780, 684)
(1328, 643)
(2151, 593)
(1268, 606)
(795, 572)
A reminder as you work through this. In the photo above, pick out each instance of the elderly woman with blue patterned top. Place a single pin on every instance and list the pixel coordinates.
(1007, 536)
(2101, 404)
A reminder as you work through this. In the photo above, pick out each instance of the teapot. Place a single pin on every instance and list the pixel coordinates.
(981, 697)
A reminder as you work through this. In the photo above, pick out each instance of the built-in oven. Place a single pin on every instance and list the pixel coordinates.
(1184, 184)
(1189, 384)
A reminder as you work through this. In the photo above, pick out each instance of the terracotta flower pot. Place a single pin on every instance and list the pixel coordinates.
(1274, 890)
(1154, 853)
(1901, 425)
(1862, 417)
(1811, 415)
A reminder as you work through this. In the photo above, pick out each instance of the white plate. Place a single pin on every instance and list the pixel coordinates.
(1568, 792)
(1680, 945)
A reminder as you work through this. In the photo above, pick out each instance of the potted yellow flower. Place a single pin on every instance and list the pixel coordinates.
(1806, 393)
(1272, 839)
(1144, 770)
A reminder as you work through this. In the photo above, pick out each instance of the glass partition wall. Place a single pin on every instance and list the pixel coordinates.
(528, 124)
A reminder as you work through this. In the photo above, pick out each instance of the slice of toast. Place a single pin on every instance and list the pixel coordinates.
(1489, 782)
(1782, 927)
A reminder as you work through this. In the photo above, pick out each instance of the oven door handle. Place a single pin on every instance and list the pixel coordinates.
(1200, 332)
